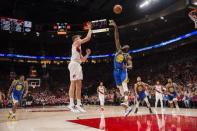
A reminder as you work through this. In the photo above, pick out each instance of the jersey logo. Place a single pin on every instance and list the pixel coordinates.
(19, 87)
(171, 89)
(119, 58)
(140, 88)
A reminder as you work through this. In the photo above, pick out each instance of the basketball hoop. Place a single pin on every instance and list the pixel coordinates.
(33, 86)
(34, 82)
(193, 16)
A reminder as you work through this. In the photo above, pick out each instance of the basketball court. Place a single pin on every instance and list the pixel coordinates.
(112, 119)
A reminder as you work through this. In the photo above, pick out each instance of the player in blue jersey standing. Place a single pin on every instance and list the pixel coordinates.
(18, 90)
(140, 91)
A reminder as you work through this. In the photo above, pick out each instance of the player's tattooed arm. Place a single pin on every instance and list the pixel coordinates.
(97, 89)
(129, 62)
(146, 85)
(11, 88)
(116, 35)
(175, 86)
(26, 89)
(163, 88)
(167, 89)
(135, 89)
(88, 36)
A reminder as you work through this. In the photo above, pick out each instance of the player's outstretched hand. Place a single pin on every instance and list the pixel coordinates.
(89, 25)
(112, 23)
(88, 51)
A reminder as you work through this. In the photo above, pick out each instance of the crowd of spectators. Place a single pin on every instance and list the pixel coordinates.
(49, 98)
(182, 69)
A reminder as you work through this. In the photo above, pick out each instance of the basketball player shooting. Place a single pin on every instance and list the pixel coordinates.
(76, 74)
(122, 62)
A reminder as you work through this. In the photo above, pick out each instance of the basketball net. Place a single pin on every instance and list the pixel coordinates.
(193, 16)
(33, 86)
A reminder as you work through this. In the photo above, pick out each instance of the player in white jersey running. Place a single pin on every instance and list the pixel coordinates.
(76, 74)
(158, 94)
(101, 90)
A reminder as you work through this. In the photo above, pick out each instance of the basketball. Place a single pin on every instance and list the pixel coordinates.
(117, 9)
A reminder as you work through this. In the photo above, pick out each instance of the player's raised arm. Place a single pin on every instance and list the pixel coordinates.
(116, 35)
(88, 36)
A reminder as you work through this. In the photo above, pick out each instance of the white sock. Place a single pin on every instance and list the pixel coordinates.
(79, 102)
(72, 102)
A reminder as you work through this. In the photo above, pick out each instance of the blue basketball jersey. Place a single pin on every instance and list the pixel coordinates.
(120, 61)
(141, 91)
(18, 88)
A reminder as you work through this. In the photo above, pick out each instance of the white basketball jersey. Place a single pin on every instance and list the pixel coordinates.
(101, 89)
(158, 88)
(76, 54)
